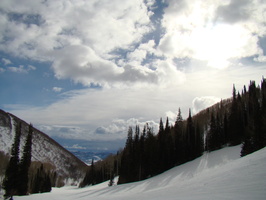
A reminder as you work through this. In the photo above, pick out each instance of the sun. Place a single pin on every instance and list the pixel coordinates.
(218, 44)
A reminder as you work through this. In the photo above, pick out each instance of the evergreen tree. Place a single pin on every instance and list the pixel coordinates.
(24, 164)
(169, 146)
(10, 182)
(255, 137)
(236, 122)
(225, 129)
(127, 173)
(190, 138)
(179, 139)
(89, 178)
(263, 110)
(199, 143)
(214, 138)
(151, 152)
(161, 142)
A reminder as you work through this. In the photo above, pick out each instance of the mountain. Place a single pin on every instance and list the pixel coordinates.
(68, 168)
(220, 174)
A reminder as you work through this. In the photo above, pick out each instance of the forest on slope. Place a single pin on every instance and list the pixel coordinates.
(240, 119)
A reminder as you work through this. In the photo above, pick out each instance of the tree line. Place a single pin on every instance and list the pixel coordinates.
(238, 120)
(102, 171)
(17, 180)
(147, 154)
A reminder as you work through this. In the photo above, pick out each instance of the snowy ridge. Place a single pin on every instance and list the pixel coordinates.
(6, 133)
(217, 175)
(44, 149)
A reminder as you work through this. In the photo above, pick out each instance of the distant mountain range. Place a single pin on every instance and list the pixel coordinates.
(87, 156)
(69, 169)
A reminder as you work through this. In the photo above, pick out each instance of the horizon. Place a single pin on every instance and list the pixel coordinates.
(86, 71)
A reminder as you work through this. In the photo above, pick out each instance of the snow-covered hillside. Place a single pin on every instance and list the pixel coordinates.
(44, 149)
(218, 175)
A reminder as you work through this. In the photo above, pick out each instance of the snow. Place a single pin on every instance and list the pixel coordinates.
(6, 137)
(44, 149)
(217, 175)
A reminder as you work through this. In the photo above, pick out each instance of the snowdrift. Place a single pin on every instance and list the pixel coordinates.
(220, 174)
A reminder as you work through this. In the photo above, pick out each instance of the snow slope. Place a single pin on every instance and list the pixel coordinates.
(218, 175)
(44, 149)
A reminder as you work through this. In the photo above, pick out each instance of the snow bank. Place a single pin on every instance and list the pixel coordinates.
(218, 175)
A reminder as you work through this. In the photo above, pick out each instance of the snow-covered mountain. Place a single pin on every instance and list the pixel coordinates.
(217, 175)
(44, 149)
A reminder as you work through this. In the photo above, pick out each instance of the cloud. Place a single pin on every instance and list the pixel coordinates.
(141, 53)
(235, 11)
(113, 44)
(75, 146)
(6, 61)
(105, 114)
(90, 55)
(2, 70)
(36, 30)
(144, 65)
(200, 103)
(22, 69)
(219, 34)
(57, 89)
(86, 67)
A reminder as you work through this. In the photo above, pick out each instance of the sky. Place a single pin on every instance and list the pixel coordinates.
(85, 70)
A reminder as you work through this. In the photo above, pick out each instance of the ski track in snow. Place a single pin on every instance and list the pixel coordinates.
(217, 175)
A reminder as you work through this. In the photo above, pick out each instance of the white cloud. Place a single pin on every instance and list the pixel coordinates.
(75, 146)
(212, 31)
(87, 67)
(83, 114)
(200, 103)
(31, 67)
(21, 69)
(139, 54)
(57, 89)
(110, 43)
(86, 55)
(55, 29)
(82, 38)
(6, 61)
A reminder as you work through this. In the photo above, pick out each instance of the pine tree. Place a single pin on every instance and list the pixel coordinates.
(10, 182)
(24, 164)
(151, 153)
(169, 146)
(162, 147)
(213, 139)
(190, 138)
(263, 109)
(199, 143)
(236, 122)
(179, 139)
(127, 173)
(225, 129)
(255, 137)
